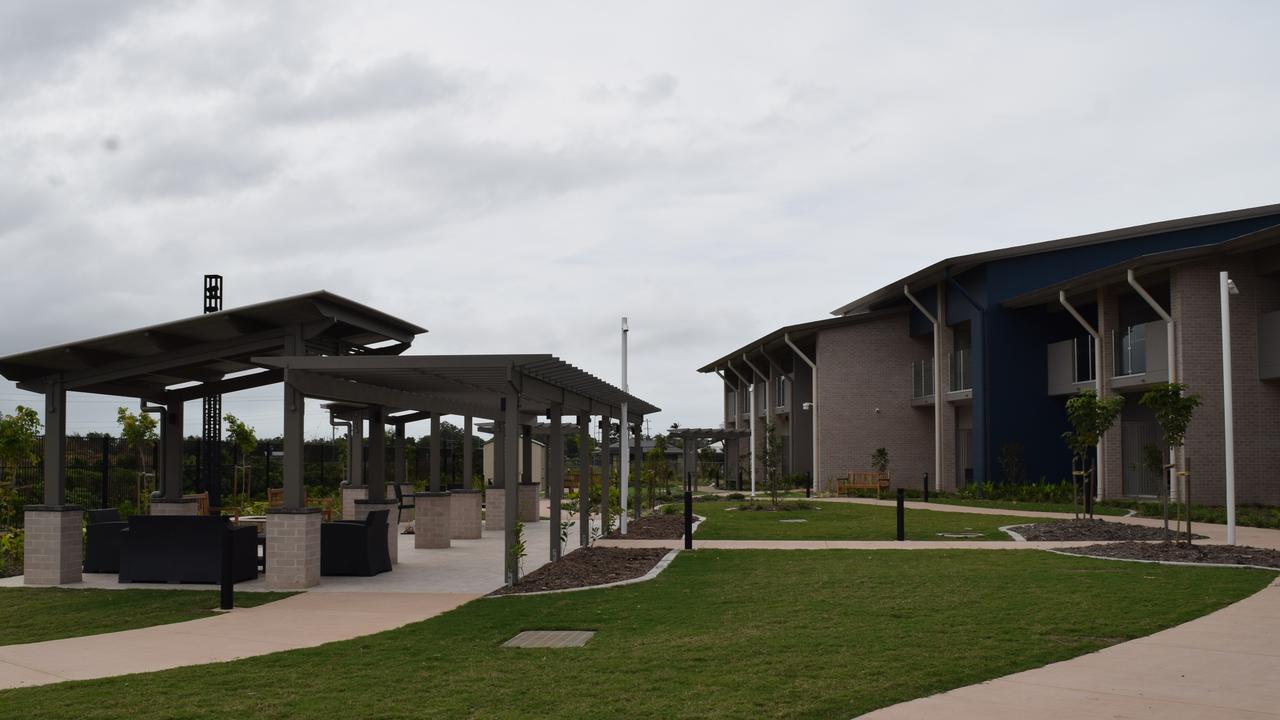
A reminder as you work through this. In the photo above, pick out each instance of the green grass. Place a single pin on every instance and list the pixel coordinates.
(843, 521)
(1098, 509)
(720, 634)
(37, 614)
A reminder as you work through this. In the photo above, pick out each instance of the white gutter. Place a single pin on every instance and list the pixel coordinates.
(1097, 375)
(937, 386)
(624, 440)
(813, 403)
(759, 374)
(1172, 357)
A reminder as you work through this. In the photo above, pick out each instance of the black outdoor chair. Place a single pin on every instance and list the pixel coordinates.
(102, 541)
(401, 505)
(355, 547)
(185, 549)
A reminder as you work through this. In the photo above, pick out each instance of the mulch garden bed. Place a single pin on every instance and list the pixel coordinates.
(1217, 554)
(586, 567)
(1090, 530)
(654, 527)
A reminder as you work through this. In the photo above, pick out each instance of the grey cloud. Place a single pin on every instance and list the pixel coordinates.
(396, 84)
(651, 90)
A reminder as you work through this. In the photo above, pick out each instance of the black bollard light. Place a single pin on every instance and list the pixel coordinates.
(902, 497)
(926, 487)
(227, 600)
(808, 484)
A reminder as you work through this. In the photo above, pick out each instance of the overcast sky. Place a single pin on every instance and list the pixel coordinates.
(517, 176)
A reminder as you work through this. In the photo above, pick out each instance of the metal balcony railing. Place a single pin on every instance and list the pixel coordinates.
(960, 375)
(921, 379)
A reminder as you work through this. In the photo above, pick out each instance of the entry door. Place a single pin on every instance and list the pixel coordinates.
(1138, 480)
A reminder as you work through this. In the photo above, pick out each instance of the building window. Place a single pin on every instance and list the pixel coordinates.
(1083, 358)
(782, 390)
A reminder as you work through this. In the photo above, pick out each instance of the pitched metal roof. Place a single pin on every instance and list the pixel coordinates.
(799, 333)
(203, 348)
(961, 263)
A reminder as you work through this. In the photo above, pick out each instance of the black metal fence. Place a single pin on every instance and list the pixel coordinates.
(104, 471)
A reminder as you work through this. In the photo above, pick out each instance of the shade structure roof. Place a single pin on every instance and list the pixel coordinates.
(205, 348)
(708, 433)
(459, 384)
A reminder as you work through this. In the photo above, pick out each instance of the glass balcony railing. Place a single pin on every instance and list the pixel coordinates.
(1131, 351)
(960, 375)
(921, 379)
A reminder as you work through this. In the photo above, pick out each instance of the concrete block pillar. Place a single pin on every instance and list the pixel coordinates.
(433, 524)
(293, 548)
(364, 507)
(350, 494)
(465, 514)
(53, 549)
(528, 503)
(495, 503)
(180, 506)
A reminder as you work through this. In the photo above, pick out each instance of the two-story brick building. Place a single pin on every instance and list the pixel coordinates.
(1018, 331)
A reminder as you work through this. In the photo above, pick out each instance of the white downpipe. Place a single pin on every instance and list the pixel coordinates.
(1228, 412)
(1171, 360)
(937, 387)
(1097, 375)
(624, 446)
(813, 403)
(753, 397)
(737, 416)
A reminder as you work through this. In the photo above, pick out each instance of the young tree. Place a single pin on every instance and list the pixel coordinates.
(244, 439)
(18, 439)
(771, 460)
(1173, 409)
(137, 430)
(1090, 417)
(880, 460)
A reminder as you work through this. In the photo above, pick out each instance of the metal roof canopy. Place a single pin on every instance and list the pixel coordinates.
(800, 333)
(708, 433)
(144, 362)
(457, 384)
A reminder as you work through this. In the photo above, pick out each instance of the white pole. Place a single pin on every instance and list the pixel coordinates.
(624, 448)
(751, 396)
(1227, 411)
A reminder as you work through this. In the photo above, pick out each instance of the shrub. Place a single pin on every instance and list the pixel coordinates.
(11, 552)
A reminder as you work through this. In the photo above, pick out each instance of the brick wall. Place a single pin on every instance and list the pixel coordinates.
(1196, 309)
(861, 368)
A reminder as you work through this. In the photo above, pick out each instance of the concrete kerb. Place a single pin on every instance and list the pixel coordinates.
(1157, 562)
(653, 573)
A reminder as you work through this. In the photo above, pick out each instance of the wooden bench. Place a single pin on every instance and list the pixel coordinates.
(865, 480)
(203, 509)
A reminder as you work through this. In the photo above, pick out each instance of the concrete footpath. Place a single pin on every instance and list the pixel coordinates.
(1222, 666)
(304, 620)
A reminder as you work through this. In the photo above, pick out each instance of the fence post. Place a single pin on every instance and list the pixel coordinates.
(106, 472)
(926, 487)
(688, 511)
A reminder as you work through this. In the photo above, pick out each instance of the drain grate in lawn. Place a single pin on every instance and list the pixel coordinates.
(586, 567)
(1090, 530)
(550, 639)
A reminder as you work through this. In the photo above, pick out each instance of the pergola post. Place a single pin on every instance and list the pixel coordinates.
(584, 480)
(468, 454)
(377, 481)
(355, 488)
(434, 465)
(510, 448)
(52, 553)
(293, 530)
(401, 460)
(555, 476)
(638, 451)
(495, 497)
(171, 436)
(526, 454)
(606, 465)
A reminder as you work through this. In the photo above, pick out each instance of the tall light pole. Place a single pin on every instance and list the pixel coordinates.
(624, 438)
(1226, 289)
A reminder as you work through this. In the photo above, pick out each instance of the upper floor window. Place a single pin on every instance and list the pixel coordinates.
(782, 390)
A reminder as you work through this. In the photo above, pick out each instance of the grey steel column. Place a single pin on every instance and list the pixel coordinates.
(555, 477)
(377, 480)
(172, 438)
(435, 452)
(584, 480)
(638, 451)
(401, 460)
(55, 443)
(355, 450)
(510, 448)
(606, 465)
(499, 456)
(294, 407)
(526, 454)
(468, 459)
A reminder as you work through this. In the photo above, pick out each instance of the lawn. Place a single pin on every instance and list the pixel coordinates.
(720, 634)
(36, 614)
(1098, 509)
(843, 521)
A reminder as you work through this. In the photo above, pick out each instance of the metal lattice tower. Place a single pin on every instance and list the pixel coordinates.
(211, 434)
